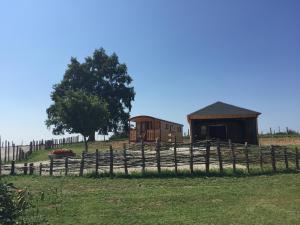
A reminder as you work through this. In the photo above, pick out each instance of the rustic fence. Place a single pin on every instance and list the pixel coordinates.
(201, 156)
(9, 151)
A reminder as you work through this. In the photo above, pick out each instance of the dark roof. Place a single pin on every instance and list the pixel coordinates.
(221, 108)
(151, 117)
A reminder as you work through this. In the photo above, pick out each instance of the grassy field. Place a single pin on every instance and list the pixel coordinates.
(245, 200)
(288, 141)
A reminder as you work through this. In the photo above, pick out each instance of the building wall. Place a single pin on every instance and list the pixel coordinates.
(169, 131)
(238, 130)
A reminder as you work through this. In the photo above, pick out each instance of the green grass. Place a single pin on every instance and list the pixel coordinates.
(267, 199)
(42, 155)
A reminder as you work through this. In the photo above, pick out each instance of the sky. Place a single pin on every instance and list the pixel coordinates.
(182, 56)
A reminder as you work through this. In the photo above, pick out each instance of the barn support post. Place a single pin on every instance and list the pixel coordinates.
(273, 159)
(66, 166)
(220, 156)
(12, 169)
(157, 147)
(143, 158)
(82, 164)
(297, 158)
(191, 158)
(232, 148)
(97, 162)
(286, 161)
(111, 161)
(125, 159)
(25, 168)
(175, 156)
(247, 157)
(207, 157)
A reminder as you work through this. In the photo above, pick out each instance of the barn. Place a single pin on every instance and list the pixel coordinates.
(150, 129)
(224, 121)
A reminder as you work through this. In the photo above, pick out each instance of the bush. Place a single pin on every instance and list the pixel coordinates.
(14, 204)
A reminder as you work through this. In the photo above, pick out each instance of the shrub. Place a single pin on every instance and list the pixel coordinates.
(14, 204)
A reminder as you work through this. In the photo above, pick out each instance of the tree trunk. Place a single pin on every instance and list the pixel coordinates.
(85, 144)
(92, 137)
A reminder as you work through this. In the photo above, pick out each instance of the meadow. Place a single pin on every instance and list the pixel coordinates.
(241, 198)
(265, 199)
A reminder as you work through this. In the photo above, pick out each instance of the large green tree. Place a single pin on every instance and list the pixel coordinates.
(99, 75)
(77, 112)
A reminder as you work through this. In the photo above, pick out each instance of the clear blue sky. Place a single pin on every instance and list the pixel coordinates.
(182, 55)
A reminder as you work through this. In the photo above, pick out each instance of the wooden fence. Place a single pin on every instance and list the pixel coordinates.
(9, 151)
(205, 156)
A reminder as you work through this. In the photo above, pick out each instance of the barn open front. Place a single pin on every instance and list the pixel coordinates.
(225, 122)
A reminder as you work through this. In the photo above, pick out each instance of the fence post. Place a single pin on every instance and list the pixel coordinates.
(25, 168)
(143, 158)
(273, 158)
(97, 162)
(297, 158)
(81, 164)
(5, 151)
(191, 158)
(207, 157)
(111, 161)
(247, 157)
(17, 153)
(158, 155)
(8, 150)
(12, 169)
(51, 166)
(0, 157)
(220, 156)
(125, 159)
(66, 166)
(233, 156)
(41, 168)
(14, 151)
(261, 159)
(286, 161)
(31, 169)
(175, 156)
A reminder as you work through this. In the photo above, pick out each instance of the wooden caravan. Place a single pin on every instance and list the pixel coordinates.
(149, 129)
(223, 121)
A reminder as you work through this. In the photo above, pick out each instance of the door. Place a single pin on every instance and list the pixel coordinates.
(217, 132)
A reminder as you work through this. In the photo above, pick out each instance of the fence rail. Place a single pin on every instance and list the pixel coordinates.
(205, 156)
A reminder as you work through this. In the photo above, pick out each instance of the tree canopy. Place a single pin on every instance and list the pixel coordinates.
(99, 78)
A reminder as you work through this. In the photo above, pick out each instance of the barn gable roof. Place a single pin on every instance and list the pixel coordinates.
(222, 110)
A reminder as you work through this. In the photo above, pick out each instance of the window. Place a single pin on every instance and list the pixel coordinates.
(167, 126)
